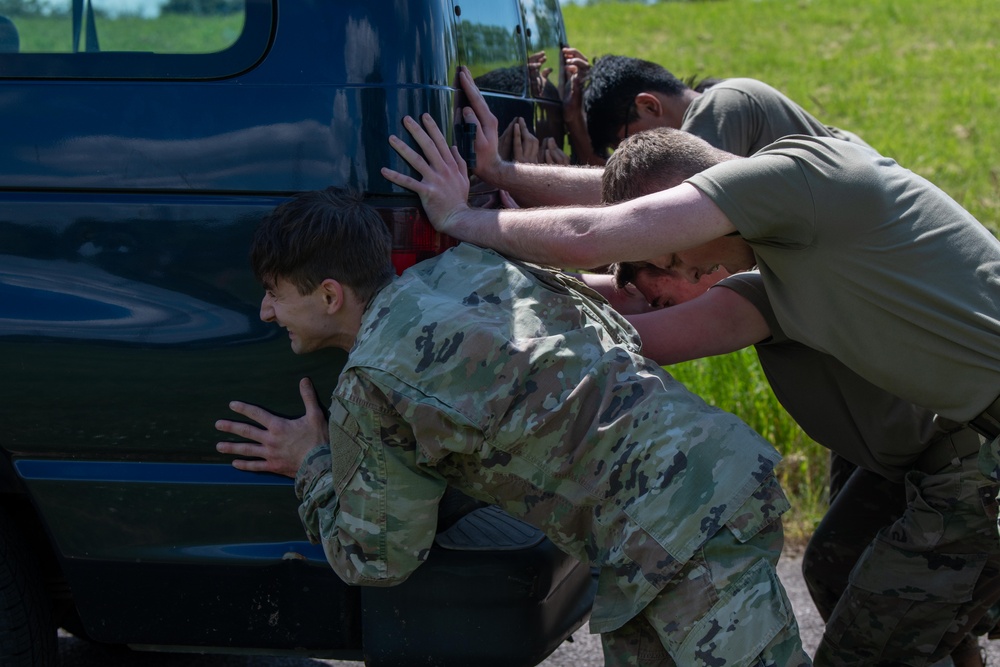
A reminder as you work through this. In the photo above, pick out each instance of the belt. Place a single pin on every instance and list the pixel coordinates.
(949, 450)
(988, 423)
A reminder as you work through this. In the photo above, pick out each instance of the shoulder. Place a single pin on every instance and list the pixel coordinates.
(741, 87)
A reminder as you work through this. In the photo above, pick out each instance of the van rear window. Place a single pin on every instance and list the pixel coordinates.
(491, 44)
(132, 39)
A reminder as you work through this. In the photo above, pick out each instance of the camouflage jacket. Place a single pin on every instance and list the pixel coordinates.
(521, 387)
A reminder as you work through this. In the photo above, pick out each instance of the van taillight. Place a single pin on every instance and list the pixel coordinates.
(413, 237)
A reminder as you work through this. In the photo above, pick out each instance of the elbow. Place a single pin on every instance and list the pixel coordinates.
(584, 251)
(353, 577)
(358, 568)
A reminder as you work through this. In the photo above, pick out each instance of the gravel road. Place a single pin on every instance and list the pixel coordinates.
(584, 651)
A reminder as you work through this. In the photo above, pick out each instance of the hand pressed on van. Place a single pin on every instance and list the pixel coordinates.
(444, 184)
(278, 445)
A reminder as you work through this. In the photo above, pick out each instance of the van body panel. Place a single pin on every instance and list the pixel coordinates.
(130, 185)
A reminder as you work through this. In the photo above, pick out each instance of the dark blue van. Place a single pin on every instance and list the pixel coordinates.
(140, 143)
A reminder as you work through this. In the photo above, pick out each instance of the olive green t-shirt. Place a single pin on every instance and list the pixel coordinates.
(835, 406)
(741, 116)
(870, 263)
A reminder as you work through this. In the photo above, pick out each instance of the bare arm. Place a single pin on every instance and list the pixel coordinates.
(637, 230)
(718, 322)
(530, 184)
(626, 300)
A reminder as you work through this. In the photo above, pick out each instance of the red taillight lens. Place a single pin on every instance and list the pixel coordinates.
(413, 237)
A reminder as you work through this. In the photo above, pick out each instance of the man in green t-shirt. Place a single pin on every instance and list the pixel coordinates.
(623, 95)
(861, 258)
(871, 526)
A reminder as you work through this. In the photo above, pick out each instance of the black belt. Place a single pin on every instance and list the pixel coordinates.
(949, 450)
(988, 423)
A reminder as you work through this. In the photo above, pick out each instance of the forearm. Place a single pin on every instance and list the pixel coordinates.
(370, 536)
(314, 489)
(548, 185)
(551, 236)
(344, 527)
(626, 300)
(717, 322)
(582, 237)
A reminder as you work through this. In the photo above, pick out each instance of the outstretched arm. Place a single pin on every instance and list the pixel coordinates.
(642, 229)
(530, 184)
(278, 445)
(717, 322)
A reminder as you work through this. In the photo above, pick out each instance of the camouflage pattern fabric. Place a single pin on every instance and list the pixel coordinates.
(725, 608)
(926, 580)
(521, 387)
(989, 460)
(866, 503)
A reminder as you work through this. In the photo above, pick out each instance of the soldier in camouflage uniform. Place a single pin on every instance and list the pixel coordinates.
(519, 387)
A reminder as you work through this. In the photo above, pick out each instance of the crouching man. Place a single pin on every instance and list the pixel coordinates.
(520, 387)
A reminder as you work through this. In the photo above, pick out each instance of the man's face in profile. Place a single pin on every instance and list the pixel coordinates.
(664, 287)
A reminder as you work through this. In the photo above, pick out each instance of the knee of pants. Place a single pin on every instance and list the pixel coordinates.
(734, 626)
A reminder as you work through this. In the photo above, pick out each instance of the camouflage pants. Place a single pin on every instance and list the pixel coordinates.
(725, 608)
(929, 572)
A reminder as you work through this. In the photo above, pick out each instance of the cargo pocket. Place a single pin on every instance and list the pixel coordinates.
(901, 598)
(748, 615)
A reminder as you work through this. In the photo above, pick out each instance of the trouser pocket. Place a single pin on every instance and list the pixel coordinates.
(899, 605)
(746, 617)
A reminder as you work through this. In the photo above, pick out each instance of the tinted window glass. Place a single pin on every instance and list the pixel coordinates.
(545, 41)
(132, 38)
(491, 44)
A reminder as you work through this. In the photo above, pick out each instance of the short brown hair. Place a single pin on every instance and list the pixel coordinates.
(324, 234)
(650, 161)
(655, 160)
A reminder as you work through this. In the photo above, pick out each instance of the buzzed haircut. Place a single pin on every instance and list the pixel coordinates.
(655, 160)
(648, 162)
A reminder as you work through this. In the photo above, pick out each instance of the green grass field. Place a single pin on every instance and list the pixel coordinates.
(170, 33)
(917, 80)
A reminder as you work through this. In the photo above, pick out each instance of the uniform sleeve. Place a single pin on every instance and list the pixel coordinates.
(364, 498)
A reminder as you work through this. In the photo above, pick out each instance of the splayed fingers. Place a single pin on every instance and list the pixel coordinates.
(444, 185)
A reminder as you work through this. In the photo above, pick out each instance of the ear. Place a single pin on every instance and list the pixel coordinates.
(648, 104)
(332, 293)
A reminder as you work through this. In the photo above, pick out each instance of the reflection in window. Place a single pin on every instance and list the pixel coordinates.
(147, 26)
(545, 41)
(491, 45)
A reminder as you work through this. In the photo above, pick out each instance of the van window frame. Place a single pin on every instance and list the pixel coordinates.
(243, 54)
